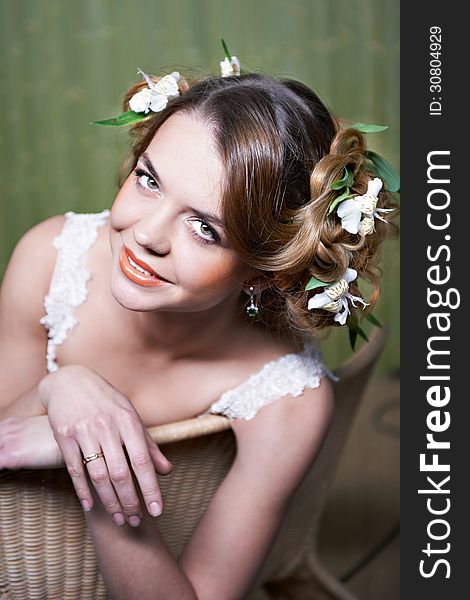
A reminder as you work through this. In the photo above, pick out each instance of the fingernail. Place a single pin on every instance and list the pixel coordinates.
(134, 521)
(118, 518)
(155, 509)
(86, 505)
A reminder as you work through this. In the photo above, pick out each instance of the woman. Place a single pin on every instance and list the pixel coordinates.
(189, 298)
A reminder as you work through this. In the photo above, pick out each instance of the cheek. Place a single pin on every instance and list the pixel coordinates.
(118, 201)
(123, 210)
(226, 272)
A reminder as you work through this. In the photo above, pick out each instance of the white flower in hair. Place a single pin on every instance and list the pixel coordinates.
(350, 214)
(141, 101)
(230, 67)
(351, 211)
(367, 225)
(335, 297)
(155, 97)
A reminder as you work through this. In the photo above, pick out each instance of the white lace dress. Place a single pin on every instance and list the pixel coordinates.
(287, 375)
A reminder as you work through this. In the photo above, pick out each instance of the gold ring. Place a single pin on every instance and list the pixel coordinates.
(87, 459)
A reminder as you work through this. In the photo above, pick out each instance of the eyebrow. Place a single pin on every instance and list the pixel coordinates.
(211, 218)
(151, 169)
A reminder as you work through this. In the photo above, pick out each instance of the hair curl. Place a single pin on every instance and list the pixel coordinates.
(282, 149)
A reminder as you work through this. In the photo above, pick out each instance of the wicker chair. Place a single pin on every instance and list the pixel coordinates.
(46, 550)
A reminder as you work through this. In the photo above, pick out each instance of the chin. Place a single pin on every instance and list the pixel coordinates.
(129, 295)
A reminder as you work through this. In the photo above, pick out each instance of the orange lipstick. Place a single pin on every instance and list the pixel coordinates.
(146, 279)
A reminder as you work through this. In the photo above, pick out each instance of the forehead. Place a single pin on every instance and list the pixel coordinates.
(184, 155)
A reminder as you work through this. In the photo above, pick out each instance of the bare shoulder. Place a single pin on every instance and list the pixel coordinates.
(22, 337)
(269, 436)
(31, 266)
(39, 238)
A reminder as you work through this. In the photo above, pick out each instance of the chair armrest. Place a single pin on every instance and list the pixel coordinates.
(188, 429)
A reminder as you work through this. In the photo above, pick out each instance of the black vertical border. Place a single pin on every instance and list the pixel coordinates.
(421, 133)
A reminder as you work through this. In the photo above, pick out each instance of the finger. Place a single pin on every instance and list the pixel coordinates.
(99, 476)
(136, 444)
(161, 463)
(121, 478)
(73, 462)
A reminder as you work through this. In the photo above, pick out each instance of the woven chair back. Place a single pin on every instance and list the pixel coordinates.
(45, 547)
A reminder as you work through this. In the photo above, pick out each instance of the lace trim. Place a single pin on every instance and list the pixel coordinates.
(290, 374)
(68, 288)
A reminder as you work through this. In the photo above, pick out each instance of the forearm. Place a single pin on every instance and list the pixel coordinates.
(28, 404)
(135, 562)
(34, 402)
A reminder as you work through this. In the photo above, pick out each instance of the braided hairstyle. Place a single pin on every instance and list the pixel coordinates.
(282, 149)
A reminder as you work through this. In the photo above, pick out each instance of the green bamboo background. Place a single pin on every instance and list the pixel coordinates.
(66, 63)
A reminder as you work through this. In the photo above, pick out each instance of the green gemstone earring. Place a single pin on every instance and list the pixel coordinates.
(252, 308)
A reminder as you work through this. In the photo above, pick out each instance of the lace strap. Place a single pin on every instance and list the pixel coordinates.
(68, 284)
(290, 374)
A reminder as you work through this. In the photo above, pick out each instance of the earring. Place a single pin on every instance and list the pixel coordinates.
(252, 308)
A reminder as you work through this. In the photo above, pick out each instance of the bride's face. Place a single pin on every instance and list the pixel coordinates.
(167, 219)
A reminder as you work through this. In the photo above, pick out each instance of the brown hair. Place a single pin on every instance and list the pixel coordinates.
(282, 149)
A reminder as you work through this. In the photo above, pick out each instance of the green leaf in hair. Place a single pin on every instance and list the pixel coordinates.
(231, 64)
(370, 317)
(353, 337)
(383, 169)
(365, 128)
(346, 181)
(126, 118)
(315, 283)
(355, 330)
(353, 326)
(226, 51)
(362, 334)
(344, 196)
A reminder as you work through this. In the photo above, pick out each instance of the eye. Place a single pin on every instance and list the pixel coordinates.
(203, 231)
(145, 181)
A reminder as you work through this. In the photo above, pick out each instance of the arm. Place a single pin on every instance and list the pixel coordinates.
(231, 542)
(23, 340)
(26, 438)
(31, 400)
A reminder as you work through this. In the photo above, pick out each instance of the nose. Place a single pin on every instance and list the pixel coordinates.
(152, 233)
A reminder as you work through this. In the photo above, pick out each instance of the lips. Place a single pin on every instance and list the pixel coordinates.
(149, 279)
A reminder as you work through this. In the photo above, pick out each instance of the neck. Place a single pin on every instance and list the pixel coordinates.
(185, 334)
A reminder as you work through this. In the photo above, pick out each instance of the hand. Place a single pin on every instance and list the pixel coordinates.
(28, 443)
(89, 416)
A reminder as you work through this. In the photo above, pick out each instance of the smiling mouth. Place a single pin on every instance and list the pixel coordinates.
(134, 270)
